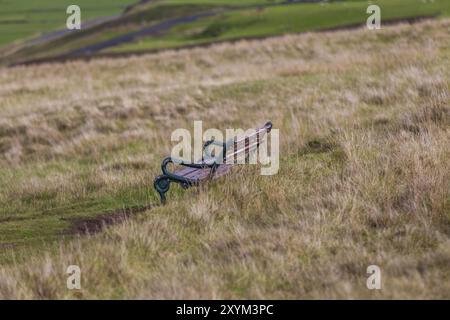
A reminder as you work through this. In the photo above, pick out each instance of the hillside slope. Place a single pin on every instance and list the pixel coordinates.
(159, 25)
(364, 171)
(22, 19)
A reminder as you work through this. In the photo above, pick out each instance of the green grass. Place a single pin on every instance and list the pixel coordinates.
(21, 19)
(29, 216)
(239, 19)
(277, 20)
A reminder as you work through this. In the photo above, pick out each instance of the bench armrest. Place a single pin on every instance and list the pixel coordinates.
(181, 162)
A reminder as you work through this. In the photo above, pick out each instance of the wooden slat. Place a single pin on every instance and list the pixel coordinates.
(199, 174)
(251, 147)
(185, 171)
(202, 174)
(247, 150)
(235, 146)
(248, 147)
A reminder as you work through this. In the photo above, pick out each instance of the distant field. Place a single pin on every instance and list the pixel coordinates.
(284, 19)
(228, 20)
(21, 19)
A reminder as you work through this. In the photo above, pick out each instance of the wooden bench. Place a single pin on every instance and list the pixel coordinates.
(210, 166)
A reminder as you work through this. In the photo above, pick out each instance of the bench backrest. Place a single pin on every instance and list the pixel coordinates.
(240, 148)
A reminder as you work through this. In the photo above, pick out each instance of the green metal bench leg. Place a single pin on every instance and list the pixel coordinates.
(162, 185)
(162, 182)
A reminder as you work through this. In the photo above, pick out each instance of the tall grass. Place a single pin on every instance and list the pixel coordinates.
(364, 171)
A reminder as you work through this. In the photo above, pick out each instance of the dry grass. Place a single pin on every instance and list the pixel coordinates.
(364, 173)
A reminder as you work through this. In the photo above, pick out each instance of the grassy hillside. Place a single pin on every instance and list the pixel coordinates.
(282, 19)
(176, 23)
(364, 124)
(22, 19)
(49, 17)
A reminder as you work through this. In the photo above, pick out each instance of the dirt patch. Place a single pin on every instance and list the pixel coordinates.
(91, 225)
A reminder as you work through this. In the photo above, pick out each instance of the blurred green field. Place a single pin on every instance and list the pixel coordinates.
(282, 19)
(20, 19)
(228, 20)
